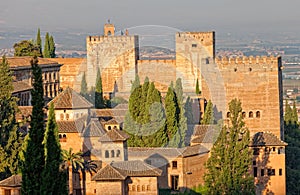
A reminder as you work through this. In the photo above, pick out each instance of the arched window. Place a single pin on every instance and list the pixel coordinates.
(148, 187)
(67, 116)
(118, 153)
(61, 116)
(59, 136)
(138, 188)
(244, 114)
(64, 136)
(228, 114)
(115, 127)
(143, 187)
(112, 153)
(257, 114)
(106, 154)
(133, 187)
(109, 33)
(109, 127)
(250, 114)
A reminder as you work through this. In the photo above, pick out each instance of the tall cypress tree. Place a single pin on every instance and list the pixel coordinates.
(39, 41)
(52, 178)
(136, 83)
(99, 102)
(52, 47)
(230, 160)
(208, 117)
(34, 156)
(9, 138)
(46, 52)
(83, 87)
(189, 111)
(198, 92)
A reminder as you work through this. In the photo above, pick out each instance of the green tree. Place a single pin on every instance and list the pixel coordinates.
(26, 48)
(208, 117)
(294, 113)
(39, 41)
(135, 83)
(230, 160)
(182, 122)
(99, 102)
(73, 161)
(288, 114)
(189, 111)
(83, 87)
(46, 52)
(34, 156)
(9, 138)
(172, 115)
(52, 47)
(88, 166)
(198, 92)
(53, 159)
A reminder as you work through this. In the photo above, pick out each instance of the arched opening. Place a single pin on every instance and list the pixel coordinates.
(109, 33)
(109, 127)
(112, 153)
(106, 154)
(257, 114)
(228, 114)
(118, 153)
(115, 127)
(62, 116)
(244, 114)
(67, 116)
(250, 114)
(59, 136)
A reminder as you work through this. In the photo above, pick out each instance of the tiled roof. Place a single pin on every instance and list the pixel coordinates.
(93, 129)
(167, 152)
(12, 181)
(114, 135)
(136, 168)
(15, 62)
(108, 173)
(266, 139)
(70, 99)
(21, 86)
(25, 111)
(71, 126)
(205, 134)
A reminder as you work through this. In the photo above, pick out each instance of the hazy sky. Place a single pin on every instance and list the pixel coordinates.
(250, 15)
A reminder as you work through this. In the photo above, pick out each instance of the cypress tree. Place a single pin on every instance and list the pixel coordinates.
(99, 102)
(288, 114)
(39, 41)
(52, 47)
(83, 87)
(198, 92)
(228, 165)
(46, 52)
(208, 117)
(143, 117)
(34, 156)
(51, 184)
(135, 83)
(9, 138)
(294, 113)
(189, 111)
(172, 113)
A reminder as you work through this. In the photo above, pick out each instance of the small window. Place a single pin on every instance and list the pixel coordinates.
(194, 45)
(274, 149)
(64, 136)
(115, 127)
(254, 162)
(256, 151)
(67, 116)
(59, 136)
(133, 188)
(250, 69)
(95, 191)
(271, 172)
(138, 188)
(148, 187)
(174, 164)
(257, 114)
(112, 153)
(118, 153)
(62, 116)
(143, 188)
(250, 114)
(244, 114)
(267, 149)
(106, 154)
(109, 127)
(228, 115)
(235, 69)
(262, 172)
(280, 171)
(255, 171)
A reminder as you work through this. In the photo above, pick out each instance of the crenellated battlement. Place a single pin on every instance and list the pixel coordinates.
(197, 35)
(164, 61)
(251, 60)
(110, 39)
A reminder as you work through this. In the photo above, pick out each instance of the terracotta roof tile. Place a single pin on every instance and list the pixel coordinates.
(12, 181)
(93, 129)
(205, 134)
(110, 122)
(114, 135)
(21, 86)
(194, 150)
(15, 62)
(108, 173)
(266, 139)
(71, 126)
(136, 168)
(70, 99)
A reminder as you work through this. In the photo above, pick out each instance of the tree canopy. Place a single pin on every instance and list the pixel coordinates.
(26, 48)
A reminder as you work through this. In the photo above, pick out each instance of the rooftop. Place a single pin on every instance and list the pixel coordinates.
(21, 86)
(266, 139)
(12, 181)
(15, 62)
(114, 135)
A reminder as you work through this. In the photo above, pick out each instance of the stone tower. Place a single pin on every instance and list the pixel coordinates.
(115, 56)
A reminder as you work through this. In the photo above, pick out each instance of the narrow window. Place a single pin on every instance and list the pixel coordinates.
(112, 153)
(109, 127)
(262, 172)
(174, 164)
(59, 136)
(62, 116)
(106, 154)
(274, 149)
(138, 188)
(255, 171)
(250, 114)
(143, 188)
(148, 187)
(244, 114)
(271, 172)
(254, 162)
(174, 182)
(133, 187)
(194, 45)
(118, 153)
(228, 114)
(257, 114)
(67, 116)
(280, 171)
(256, 151)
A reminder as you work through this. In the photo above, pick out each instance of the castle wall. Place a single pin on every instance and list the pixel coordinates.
(116, 57)
(257, 83)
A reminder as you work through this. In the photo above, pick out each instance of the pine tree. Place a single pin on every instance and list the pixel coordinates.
(9, 138)
(172, 114)
(198, 92)
(39, 41)
(208, 117)
(46, 52)
(34, 156)
(53, 159)
(84, 88)
(189, 111)
(135, 83)
(26, 48)
(52, 47)
(182, 122)
(228, 165)
(143, 117)
(99, 102)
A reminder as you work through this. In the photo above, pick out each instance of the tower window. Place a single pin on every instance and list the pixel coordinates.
(118, 153)
(174, 164)
(250, 114)
(255, 171)
(106, 154)
(112, 153)
(280, 171)
(244, 114)
(228, 114)
(257, 114)
(271, 172)
(194, 45)
(62, 116)
(109, 127)
(262, 172)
